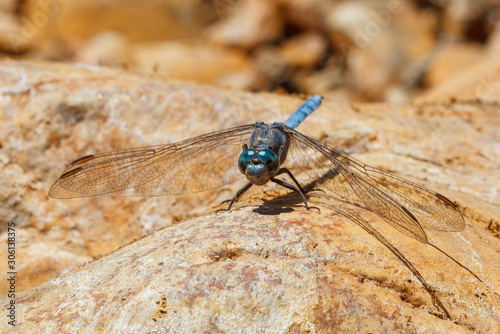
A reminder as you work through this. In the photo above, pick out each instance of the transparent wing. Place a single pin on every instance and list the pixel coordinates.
(192, 165)
(406, 206)
(350, 213)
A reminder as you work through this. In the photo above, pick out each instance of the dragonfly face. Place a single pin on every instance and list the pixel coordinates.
(258, 166)
(268, 147)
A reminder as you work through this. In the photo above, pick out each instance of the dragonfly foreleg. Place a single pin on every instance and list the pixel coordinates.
(235, 197)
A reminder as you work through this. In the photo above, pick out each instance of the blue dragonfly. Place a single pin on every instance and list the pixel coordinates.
(261, 152)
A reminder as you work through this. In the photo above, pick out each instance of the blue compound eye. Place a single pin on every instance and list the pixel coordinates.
(269, 159)
(245, 159)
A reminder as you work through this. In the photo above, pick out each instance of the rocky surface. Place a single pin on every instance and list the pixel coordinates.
(269, 265)
(379, 50)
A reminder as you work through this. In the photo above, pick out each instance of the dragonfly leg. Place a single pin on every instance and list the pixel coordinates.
(235, 197)
(297, 189)
(285, 170)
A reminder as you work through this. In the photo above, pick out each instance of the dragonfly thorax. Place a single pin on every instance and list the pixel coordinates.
(258, 165)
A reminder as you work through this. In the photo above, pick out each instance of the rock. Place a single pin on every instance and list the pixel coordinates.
(142, 20)
(468, 19)
(304, 50)
(480, 82)
(14, 31)
(300, 272)
(381, 49)
(306, 15)
(494, 39)
(324, 81)
(268, 62)
(268, 265)
(202, 63)
(369, 36)
(109, 48)
(251, 22)
(449, 61)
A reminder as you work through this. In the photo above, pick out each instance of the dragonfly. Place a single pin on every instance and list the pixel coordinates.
(261, 152)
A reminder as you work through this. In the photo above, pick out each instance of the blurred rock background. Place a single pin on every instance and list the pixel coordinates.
(383, 50)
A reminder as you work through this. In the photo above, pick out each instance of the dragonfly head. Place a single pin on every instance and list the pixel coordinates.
(258, 165)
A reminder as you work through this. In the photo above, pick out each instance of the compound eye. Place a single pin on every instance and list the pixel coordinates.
(245, 157)
(269, 158)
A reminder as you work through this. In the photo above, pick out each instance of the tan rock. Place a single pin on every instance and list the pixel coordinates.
(494, 39)
(244, 271)
(324, 81)
(250, 23)
(376, 39)
(141, 20)
(269, 265)
(14, 33)
(109, 48)
(447, 62)
(480, 82)
(306, 15)
(203, 63)
(268, 62)
(305, 50)
(468, 19)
